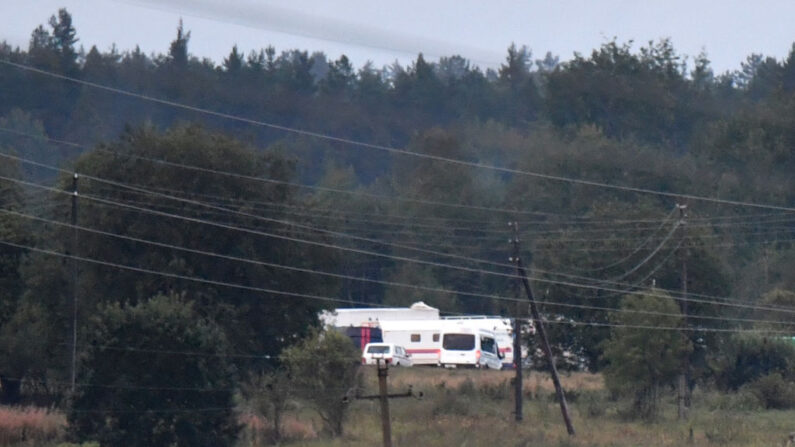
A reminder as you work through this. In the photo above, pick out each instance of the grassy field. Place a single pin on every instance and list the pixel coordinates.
(475, 408)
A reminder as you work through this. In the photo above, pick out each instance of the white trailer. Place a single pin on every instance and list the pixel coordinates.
(420, 338)
(372, 316)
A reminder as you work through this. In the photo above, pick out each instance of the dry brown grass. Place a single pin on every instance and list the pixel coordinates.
(535, 382)
(32, 425)
(257, 430)
(459, 410)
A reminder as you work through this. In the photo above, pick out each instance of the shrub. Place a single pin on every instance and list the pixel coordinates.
(773, 391)
(743, 358)
(741, 400)
(593, 403)
(269, 396)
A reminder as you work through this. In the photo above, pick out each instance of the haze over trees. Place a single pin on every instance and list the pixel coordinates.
(189, 216)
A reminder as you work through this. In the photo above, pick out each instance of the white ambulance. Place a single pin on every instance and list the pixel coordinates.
(464, 344)
(503, 333)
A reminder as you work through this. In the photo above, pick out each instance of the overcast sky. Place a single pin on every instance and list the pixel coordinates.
(727, 30)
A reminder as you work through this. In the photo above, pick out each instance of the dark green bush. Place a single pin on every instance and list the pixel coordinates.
(745, 358)
(774, 391)
(135, 392)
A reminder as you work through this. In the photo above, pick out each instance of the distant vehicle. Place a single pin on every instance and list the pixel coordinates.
(393, 354)
(421, 338)
(464, 345)
(503, 333)
(357, 317)
(418, 328)
(424, 340)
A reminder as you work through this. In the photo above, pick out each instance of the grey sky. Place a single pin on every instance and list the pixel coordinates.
(728, 30)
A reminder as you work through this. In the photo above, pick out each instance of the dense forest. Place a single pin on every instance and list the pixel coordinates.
(250, 194)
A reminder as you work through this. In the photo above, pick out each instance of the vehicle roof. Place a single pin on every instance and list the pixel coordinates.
(433, 325)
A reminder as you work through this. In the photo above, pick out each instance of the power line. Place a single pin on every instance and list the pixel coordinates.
(389, 149)
(282, 182)
(647, 258)
(350, 277)
(637, 249)
(402, 246)
(465, 258)
(319, 297)
(360, 251)
(581, 220)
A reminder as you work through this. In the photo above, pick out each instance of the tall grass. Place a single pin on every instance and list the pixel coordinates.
(34, 426)
(475, 408)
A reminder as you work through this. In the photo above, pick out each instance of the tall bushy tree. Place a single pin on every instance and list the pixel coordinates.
(19, 355)
(255, 321)
(641, 362)
(325, 368)
(138, 388)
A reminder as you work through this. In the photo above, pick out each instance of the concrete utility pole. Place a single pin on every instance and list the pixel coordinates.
(542, 334)
(683, 387)
(74, 281)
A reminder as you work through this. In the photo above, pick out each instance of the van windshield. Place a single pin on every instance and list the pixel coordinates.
(458, 342)
(378, 349)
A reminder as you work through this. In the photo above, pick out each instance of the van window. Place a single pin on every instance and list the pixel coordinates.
(435, 337)
(378, 349)
(415, 338)
(487, 344)
(458, 342)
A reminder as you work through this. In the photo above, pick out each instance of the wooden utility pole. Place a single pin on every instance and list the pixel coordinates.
(683, 387)
(517, 344)
(74, 281)
(386, 424)
(383, 396)
(542, 334)
(517, 362)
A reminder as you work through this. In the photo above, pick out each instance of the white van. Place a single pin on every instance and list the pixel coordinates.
(503, 333)
(467, 346)
(393, 354)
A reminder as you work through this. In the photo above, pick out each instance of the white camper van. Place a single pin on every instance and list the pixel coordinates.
(503, 333)
(465, 345)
